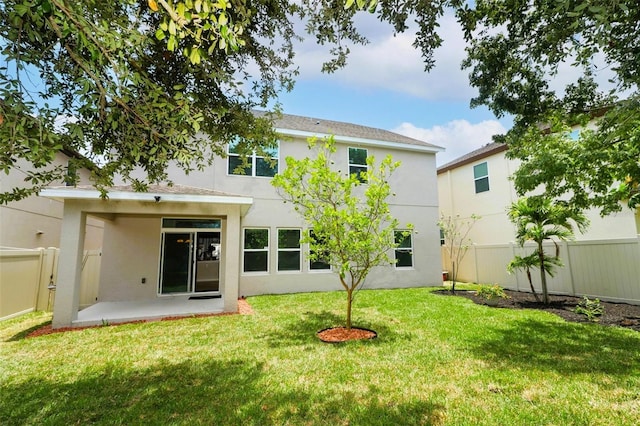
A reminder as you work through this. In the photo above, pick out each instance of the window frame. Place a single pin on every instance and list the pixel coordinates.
(360, 166)
(253, 160)
(478, 178)
(280, 250)
(255, 250)
(310, 263)
(398, 249)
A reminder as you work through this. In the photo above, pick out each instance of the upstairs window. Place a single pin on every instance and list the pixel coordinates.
(257, 165)
(481, 177)
(358, 163)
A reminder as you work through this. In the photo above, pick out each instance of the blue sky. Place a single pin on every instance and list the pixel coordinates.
(384, 85)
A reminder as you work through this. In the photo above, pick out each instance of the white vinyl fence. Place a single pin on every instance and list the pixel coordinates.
(28, 279)
(606, 269)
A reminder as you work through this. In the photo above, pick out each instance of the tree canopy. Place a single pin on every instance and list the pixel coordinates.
(519, 53)
(137, 84)
(140, 83)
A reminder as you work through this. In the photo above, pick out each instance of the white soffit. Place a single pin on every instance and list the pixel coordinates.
(361, 141)
(83, 194)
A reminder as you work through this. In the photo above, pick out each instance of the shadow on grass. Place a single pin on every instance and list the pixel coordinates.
(24, 333)
(302, 330)
(566, 348)
(213, 392)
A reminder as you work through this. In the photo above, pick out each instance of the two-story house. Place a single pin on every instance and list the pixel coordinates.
(602, 262)
(218, 234)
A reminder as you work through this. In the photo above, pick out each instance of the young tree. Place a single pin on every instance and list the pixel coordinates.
(352, 227)
(538, 219)
(456, 242)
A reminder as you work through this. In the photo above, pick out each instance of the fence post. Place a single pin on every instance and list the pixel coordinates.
(38, 284)
(573, 287)
(475, 261)
(513, 255)
(47, 270)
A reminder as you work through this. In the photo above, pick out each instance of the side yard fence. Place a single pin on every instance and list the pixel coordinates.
(606, 269)
(28, 279)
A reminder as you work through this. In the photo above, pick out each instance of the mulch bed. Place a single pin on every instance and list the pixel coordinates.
(243, 309)
(615, 314)
(341, 334)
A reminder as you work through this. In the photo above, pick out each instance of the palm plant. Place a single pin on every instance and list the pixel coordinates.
(538, 219)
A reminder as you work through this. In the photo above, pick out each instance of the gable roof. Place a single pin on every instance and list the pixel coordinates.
(296, 125)
(480, 153)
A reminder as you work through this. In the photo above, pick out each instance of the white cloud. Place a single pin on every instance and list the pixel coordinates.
(392, 63)
(458, 137)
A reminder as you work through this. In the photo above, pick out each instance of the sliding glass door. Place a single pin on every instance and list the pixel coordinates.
(190, 256)
(176, 262)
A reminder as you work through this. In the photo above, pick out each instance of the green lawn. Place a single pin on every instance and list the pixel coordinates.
(437, 360)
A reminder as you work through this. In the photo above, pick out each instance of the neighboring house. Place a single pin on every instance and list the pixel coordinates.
(36, 221)
(216, 233)
(479, 183)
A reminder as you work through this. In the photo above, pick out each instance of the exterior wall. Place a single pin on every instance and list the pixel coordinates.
(456, 193)
(457, 196)
(131, 252)
(36, 221)
(415, 202)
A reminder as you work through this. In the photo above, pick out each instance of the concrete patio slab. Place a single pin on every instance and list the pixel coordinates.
(162, 307)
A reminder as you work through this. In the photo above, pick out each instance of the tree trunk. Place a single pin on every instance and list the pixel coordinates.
(543, 275)
(349, 304)
(454, 276)
(533, 289)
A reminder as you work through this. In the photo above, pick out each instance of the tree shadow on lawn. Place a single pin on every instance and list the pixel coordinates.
(22, 334)
(214, 392)
(566, 348)
(301, 330)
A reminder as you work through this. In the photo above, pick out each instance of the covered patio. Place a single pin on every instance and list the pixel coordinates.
(130, 263)
(147, 310)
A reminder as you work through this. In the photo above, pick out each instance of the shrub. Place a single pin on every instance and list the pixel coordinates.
(592, 309)
(491, 292)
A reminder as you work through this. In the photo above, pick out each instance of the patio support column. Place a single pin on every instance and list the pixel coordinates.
(232, 260)
(67, 300)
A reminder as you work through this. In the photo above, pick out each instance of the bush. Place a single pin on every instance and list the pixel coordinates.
(592, 309)
(491, 292)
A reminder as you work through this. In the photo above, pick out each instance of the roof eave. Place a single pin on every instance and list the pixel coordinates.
(362, 141)
(455, 164)
(155, 197)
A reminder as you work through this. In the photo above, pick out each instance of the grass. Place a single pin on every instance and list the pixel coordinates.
(437, 360)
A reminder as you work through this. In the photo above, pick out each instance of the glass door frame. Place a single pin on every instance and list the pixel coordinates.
(192, 268)
(163, 257)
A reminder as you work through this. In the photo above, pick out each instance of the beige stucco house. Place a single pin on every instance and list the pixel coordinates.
(479, 183)
(216, 235)
(601, 262)
(36, 221)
